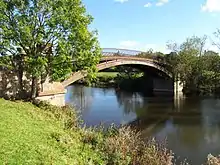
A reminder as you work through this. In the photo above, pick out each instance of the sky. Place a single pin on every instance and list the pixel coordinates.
(144, 24)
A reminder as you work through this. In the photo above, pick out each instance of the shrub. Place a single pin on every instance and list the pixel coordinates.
(212, 160)
(124, 146)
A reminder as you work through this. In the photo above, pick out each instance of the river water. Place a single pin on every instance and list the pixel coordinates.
(190, 126)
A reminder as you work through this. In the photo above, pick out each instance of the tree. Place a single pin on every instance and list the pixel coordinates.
(210, 78)
(188, 62)
(52, 34)
(217, 36)
(147, 54)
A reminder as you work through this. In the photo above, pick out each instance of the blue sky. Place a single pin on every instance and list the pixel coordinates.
(144, 24)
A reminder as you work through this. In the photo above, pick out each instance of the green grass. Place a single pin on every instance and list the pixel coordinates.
(29, 135)
(114, 74)
(107, 74)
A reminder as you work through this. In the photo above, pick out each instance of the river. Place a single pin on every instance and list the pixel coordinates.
(190, 126)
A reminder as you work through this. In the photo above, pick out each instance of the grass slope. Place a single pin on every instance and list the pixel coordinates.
(29, 135)
(107, 74)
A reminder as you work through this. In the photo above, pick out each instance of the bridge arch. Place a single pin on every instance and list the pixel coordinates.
(111, 57)
(116, 61)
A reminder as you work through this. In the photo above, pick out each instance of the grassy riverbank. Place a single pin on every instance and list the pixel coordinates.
(45, 134)
(115, 79)
(103, 79)
(106, 79)
(107, 74)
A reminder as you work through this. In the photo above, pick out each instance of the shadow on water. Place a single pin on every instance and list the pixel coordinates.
(191, 126)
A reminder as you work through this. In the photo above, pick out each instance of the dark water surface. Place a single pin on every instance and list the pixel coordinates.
(191, 126)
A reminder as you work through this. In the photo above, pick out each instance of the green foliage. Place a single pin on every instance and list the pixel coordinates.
(102, 79)
(121, 79)
(195, 67)
(161, 60)
(149, 54)
(62, 66)
(128, 73)
(48, 36)
(106, 76)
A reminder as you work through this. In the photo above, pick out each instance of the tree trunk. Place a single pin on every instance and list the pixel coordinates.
(20, 72)
(20, 84)
(34, 87)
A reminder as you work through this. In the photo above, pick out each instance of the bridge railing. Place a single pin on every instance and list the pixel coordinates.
(115, 57)
(128, 53)
(123, 52)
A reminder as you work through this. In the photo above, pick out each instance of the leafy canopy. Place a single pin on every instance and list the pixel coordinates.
(50, 35)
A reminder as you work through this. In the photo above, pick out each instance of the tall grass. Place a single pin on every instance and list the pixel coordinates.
(212, 160)
(118, 146)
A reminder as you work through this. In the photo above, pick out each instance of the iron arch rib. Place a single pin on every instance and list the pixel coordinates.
(116, 62)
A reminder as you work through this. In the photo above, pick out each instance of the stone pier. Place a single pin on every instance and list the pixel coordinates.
(52, 92)
(178, 89)
(54, 99)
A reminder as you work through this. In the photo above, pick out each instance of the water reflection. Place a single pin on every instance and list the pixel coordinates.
(129, 101)
(190, 125)
(97, 105)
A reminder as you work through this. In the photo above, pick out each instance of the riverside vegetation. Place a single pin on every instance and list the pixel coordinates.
(197, 67)
(39, 133)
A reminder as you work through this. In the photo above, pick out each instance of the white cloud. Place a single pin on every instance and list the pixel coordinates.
(121, 1)
(164, 1)
(128, 44)
(161, 2)
(148, 4)
(155, 47)
(211, 6)
(134, 45)
(211, 46)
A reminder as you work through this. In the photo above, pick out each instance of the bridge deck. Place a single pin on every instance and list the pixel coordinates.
(127, 58)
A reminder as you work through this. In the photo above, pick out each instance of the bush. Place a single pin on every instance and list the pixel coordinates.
(212, 160)
(124, 146)
(128, 148)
